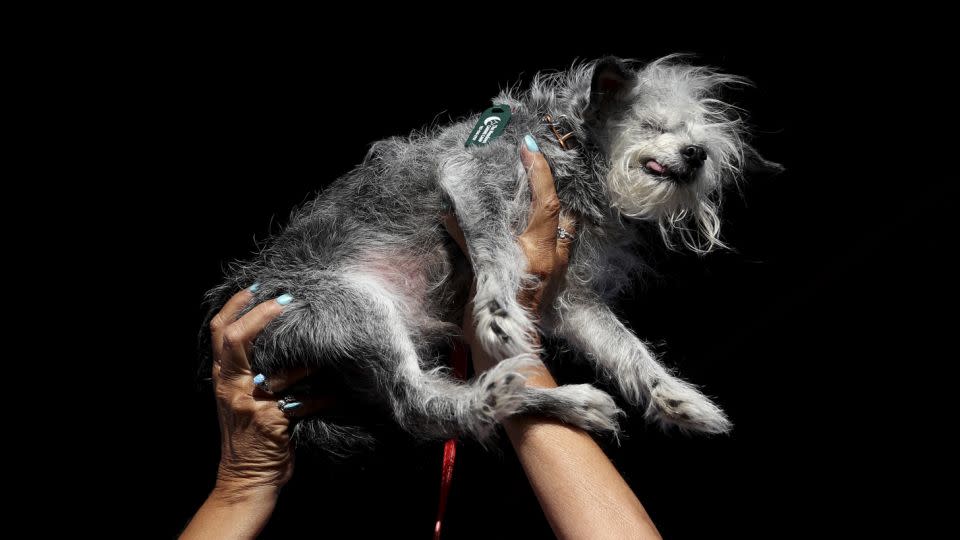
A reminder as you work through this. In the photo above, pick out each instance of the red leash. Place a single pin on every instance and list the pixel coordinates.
(459, 357)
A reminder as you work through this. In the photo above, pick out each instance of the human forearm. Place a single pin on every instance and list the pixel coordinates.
(580, 491)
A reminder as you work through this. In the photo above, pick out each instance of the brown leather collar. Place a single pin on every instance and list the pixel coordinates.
(567, 141)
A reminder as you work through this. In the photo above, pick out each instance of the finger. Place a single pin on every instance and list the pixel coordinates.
(453, 228)
(544, 203)
(301, 406)
(238, 337)
(226, 316)
(563, 244)
(279, 382)
(541, 179)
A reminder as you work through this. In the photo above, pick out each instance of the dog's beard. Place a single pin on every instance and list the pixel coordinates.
(684, 212)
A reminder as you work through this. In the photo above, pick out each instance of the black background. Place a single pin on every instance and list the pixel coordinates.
(809, 333)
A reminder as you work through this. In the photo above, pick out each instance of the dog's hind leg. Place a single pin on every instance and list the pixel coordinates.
(483, 209)
(590, 327)
(359, 324)
(428, 403)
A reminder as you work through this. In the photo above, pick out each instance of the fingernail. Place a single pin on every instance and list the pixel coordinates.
(292, 405)
(255, 287)
(260, 380)
(284, 300)
(531, 143)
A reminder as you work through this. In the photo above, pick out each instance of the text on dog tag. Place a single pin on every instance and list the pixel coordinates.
(490, 125)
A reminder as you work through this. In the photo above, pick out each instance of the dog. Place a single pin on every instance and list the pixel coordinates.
(378, 284)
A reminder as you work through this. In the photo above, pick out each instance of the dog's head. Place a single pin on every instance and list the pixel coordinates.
(671, 143)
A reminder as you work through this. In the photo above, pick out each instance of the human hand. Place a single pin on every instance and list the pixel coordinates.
(255, 457)
(547, 255)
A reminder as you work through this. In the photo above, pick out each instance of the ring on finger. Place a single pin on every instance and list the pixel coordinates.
(563, 234)
(288, 404)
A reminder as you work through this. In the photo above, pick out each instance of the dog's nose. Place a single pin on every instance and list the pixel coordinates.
(694, 156)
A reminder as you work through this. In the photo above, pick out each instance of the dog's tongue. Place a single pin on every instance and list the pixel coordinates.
(655, 167)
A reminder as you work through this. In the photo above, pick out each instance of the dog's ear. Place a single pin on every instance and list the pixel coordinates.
(611, 83)
(755, 165)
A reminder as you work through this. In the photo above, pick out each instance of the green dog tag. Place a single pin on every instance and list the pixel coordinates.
(490, 126)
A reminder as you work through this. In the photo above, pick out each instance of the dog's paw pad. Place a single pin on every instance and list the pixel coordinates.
(504, 395)
(503, 387)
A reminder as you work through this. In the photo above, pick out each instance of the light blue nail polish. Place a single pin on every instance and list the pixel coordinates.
(255, 287)
(531, 144)
(284, 300)
(292, 405)
(259, 379)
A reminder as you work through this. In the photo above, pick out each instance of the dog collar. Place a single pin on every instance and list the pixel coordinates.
(566, 141)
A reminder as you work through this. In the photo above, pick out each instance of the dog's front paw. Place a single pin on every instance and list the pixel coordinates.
(503, 386)
(586, 407)
(675, 402)
(503, 328)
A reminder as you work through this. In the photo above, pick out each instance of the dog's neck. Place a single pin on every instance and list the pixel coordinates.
(579, 169)
(578, 166)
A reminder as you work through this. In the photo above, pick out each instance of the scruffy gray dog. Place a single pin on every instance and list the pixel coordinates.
(377, 284)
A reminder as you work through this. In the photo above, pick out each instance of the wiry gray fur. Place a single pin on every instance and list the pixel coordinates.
(378, 284)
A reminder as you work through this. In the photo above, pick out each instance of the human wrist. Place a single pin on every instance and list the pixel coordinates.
(235, 488)
(233, 511)
(540, 377)
(244, 492)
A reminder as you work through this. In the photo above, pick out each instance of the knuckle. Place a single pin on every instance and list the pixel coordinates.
(245, 409)
(224, 395)
(216, 323)
(551, 205)
(241, 405)
(233, 338)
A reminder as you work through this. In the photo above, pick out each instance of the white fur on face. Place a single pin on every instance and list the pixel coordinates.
(672, 106)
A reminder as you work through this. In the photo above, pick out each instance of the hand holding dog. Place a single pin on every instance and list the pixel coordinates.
(557, 457)
(256, 458)
(547, 255)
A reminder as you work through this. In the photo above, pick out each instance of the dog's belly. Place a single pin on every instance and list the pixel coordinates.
(426, 284)
(408, 276)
